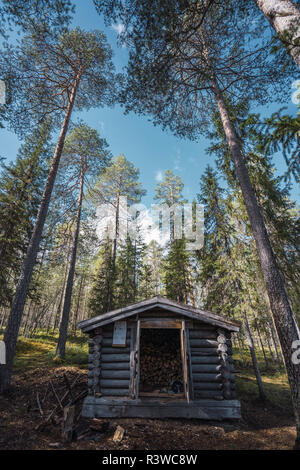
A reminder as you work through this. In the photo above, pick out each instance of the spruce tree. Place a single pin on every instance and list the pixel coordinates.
(103, 283)
(176, 267)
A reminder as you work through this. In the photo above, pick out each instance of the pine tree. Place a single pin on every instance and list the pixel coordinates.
(169, 192)
(119, 179)
(184, 61)
(35, 15)
(21, 188)
(84, 155)
(53, 76)
(280, 214)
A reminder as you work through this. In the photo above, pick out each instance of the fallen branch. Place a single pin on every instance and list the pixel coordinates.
(56, 396)
(42, 425)
(39, 404)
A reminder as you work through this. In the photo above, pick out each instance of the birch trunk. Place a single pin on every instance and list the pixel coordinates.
(284, 16)
(15, 317)
(284, 319)
(63, 330)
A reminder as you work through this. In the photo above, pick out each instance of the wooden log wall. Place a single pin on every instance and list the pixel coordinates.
(94, 362)
(211, 363)
(115, 365)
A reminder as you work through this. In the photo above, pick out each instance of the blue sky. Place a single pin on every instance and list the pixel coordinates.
(148, 147)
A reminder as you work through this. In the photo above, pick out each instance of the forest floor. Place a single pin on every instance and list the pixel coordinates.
(267, 425)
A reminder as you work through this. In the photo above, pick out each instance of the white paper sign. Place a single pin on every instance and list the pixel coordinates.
(119, 338)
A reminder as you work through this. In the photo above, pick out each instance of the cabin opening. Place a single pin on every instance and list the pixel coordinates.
(161, 366)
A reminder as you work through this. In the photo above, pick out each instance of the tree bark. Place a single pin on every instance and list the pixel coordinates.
(14, 321)
(284, 319)
(284, 16)
(3, 319)
(63, 330)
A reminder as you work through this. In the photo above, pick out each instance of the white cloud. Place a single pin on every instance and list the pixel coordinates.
(119, 28)
(147, 223)
(159, 176)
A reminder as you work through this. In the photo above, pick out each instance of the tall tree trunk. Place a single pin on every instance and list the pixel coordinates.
(261, 343)
(3, 319)
(27, 317)
(273, 334)
(86, 295)
(75, 319)
(14, 321)
(267, 336)
(114, 250)
(51, 316)
(27, 320)
(284, 16)
(284, 319)
(191, 286)
(249, 337)
(63, 330)
(63, 289)
(242, 347)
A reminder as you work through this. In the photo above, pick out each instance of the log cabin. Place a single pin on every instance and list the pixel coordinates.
(160, 359)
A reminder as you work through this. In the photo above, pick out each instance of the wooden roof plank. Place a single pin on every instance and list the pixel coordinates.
(164, 304)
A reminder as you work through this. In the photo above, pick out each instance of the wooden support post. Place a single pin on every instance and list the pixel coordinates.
(189, 364)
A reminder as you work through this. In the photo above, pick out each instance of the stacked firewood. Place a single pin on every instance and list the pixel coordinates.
(160, 363)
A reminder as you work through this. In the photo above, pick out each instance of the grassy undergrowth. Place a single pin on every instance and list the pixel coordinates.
(39, 351)
(274, 379)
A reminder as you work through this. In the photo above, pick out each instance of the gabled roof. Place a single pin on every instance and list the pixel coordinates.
(162, 303)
